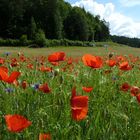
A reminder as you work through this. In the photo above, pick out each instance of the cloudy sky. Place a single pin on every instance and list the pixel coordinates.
(122, 15)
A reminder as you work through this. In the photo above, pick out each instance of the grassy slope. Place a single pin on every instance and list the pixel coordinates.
(75, 51)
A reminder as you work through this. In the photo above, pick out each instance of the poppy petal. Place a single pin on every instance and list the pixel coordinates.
(16, 123)
(3, 75)
(14, 75)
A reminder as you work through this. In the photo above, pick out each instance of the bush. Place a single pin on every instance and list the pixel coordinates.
(9, 42)
(54, 42)
(23, 40)
(15, 42)
(40, 39)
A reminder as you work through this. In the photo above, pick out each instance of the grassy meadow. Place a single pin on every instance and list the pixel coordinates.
(41, 91)
(74, 51)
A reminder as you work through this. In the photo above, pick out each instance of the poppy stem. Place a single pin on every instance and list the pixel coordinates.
(89, 72)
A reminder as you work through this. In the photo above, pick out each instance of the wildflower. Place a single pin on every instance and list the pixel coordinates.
(55, 63)
(87, 89)
(45, 69)
(36, 86)
(16, 123)
(92, 61)
(30, 66)
(79, 106)
(43, 136)
(138, 97)
(9, 79)
(125, 87)
(44, 88)
(7, 53)
(125, 66)
(2, 61)
(9, 90)
(111, 63)
(24, 84)
(57, 56)
(69, 61)
(14, 64)
(114, 78)
(134, 90)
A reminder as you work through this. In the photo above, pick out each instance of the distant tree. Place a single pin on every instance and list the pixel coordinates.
(91, 26)
(40, 38)
(76, 26)
(33, 28)
(53, 26)
(133, 42)
(57, 18)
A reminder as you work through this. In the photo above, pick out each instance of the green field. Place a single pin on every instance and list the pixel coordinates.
(46, 97)
(74, 51)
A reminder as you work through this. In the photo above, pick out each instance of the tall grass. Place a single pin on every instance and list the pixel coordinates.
(112, 113)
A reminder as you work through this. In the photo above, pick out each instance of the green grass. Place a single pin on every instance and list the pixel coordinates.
(112, 114)
(74, 51)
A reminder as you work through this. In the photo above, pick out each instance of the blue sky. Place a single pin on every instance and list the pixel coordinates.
(123, 15)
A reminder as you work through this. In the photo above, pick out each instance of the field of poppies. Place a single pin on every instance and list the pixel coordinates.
(57, 97)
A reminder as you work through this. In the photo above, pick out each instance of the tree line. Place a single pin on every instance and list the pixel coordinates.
(56, 18)
(133, 42)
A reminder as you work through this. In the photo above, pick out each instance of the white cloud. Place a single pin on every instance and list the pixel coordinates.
(130, 3)
(119, 23)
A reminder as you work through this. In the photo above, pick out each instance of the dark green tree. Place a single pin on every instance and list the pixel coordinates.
(76, 26)
(33, 28)
(57, 18)
(53, 26)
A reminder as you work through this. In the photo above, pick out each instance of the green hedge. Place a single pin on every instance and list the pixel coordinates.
(49, 43)
(14, 42)
(66, 42)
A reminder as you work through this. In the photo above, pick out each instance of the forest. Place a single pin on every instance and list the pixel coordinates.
(133, 42)
(56, 18)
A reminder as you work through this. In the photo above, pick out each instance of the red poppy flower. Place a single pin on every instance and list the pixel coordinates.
(87, 89)
(44, 136)
(24, 84)
(134, 90)
(14, 64)
(55, 63)
(79, 106)
(138, 97)
(3, 74)
(16, 123)
(125, 66)
(92, 61)
(1, 61)
(30, 66)
(14, 75)
(125, 87)
(120, 58)
(111, 63)
(69, 61)
(57, 56)
(9, 79)
(45, 69)
(22, 58)
(4, 68)
(44, 88)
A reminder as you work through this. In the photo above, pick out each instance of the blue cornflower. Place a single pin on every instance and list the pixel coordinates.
(9, 90)
(7, 53)
(114, 78)
(35, 86)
